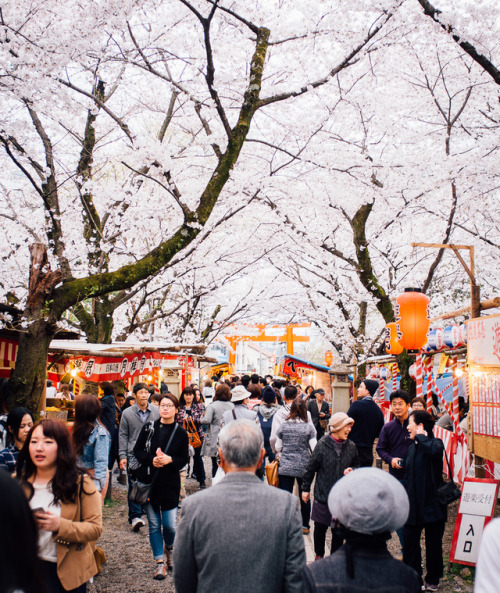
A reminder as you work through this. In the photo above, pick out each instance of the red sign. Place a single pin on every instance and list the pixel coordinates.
(101, 368)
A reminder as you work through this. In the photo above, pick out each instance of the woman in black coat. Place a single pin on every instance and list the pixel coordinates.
(423, 475)
(162, 449)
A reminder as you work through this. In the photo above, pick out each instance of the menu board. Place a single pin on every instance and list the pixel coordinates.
(485, 390)
(483, 355)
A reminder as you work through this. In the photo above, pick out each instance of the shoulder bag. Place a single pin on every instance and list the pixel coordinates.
(140, 491)
(272, 473)
(323, 422)
(190, 428)
(448, 492)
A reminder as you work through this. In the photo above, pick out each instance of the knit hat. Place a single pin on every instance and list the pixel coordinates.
(371, 385)
(269, 395)
(239, 393)
(339, 420)
(369, 500)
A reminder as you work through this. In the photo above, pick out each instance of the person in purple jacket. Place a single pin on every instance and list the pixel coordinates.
(394, 440)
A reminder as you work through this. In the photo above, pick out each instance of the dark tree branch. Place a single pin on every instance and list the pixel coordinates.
(480, 59)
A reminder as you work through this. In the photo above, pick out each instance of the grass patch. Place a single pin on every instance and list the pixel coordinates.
(110, 503)
(466, 573)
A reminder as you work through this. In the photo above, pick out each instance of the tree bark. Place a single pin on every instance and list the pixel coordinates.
(30, 374)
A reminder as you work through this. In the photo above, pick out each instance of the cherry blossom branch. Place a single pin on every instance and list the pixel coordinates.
(483, 61)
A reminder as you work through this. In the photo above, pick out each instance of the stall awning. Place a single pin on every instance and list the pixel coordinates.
(290, 365)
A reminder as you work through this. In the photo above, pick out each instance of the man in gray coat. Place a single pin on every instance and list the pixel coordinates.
(240, 535)
(132, 420)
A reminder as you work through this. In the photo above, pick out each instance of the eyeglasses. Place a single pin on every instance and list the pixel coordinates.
(167, 406)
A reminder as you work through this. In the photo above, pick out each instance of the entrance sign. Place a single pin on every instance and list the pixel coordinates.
(477, 505)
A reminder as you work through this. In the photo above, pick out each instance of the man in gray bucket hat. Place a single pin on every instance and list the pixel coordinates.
(367, 504)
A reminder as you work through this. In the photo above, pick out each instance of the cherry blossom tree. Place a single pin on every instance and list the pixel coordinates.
(124, 130)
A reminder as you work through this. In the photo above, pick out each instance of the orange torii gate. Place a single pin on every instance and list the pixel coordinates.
(287, 337)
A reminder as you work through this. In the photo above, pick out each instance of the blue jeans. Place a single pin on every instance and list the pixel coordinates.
(134, 509)
(161, 521)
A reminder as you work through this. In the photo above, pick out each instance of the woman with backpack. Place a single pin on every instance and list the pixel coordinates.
(265, 414)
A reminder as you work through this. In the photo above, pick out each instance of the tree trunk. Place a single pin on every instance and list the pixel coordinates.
(28, 380)
(29, 376)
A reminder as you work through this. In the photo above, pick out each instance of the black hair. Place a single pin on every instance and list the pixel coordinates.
(14, 420)
(400, 394)
(186, 391)
(129, 401)
(19, 542)
(157, 397)
(139, 386)
(254, 378)
(66, 479)
(107, 388)
(290, 392)
(245, 380)
(421, 417)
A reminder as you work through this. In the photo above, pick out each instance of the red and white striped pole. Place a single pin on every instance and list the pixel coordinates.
(428, 368)
(454, 365)
(418, 374)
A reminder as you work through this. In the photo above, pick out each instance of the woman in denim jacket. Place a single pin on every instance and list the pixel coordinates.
(91, 440)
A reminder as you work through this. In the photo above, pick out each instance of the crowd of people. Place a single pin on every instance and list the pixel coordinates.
(243, 423)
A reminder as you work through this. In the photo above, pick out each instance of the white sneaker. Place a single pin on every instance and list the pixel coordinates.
(137, 523)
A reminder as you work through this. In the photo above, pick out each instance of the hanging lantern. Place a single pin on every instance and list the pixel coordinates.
(328, 358)
(463, 333)
(412, 318)
(383, 373)
(413, 371)
(435, 340)
(374, 372)
(392, 346)
(451, 336)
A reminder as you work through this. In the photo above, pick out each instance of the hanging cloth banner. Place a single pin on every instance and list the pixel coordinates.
(101, 368)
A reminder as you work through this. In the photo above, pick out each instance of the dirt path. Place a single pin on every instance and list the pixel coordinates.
(130, 565)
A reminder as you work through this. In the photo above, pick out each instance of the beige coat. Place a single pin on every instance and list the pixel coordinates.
(81, 526)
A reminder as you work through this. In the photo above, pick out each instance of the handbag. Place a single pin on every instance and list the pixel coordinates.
(323, 422)
(448, 492)
(140, 491)
(272, 473)
(190, 428)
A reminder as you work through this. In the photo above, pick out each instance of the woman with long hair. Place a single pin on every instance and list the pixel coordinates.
(91, 440)
(66, 506)
(212, 418)
(19, 423)
(334, 457)
(162, 450)
(191, 410)
(296, 438)
(423, 475)
(21, 569)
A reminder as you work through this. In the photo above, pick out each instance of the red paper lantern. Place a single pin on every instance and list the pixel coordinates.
(412, 318)
(328, 358)
(392, 346)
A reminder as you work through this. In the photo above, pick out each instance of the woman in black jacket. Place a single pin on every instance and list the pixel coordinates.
(423, 475)
(162, 449)
(333, 457)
